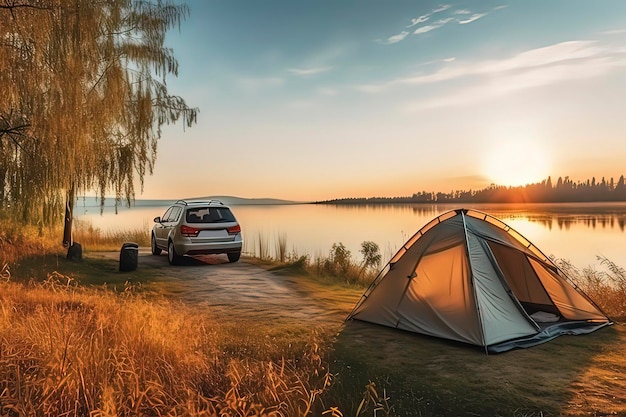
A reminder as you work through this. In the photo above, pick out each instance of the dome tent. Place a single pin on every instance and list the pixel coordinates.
(467, 276)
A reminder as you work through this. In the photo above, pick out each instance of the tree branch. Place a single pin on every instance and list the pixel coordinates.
(14, 5)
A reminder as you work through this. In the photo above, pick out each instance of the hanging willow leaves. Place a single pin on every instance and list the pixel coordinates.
(84, 99)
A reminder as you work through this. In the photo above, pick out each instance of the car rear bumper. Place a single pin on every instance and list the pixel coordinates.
(208, 248)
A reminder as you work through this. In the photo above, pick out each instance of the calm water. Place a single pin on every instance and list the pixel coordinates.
(576, 232)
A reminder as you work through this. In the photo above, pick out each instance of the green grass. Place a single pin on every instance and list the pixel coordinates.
(571, 375)
(91, 271)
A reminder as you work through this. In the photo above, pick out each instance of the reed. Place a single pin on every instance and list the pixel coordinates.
(24, 241)
(338, 264)
(264, 247)
(95, 239)
(606, 286)
(281, 247)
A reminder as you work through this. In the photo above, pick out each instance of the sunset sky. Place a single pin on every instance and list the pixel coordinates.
(312, 100)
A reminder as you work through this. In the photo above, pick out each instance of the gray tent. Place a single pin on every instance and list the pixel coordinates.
(468, 277)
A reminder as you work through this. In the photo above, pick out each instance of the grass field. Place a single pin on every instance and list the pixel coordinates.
(123, 349)
(572, 375)
(89, 350)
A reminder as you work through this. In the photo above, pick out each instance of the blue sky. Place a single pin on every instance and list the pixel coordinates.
(311, 100)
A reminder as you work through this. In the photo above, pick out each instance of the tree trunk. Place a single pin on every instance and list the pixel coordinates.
(69, 218)
(3, 174)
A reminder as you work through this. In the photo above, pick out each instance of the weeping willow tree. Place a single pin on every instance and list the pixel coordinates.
(84, 100)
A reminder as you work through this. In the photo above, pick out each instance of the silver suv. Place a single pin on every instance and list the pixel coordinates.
(196, 228)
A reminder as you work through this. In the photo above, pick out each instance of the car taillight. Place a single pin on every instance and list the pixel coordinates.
(234, 230)
(189, 231)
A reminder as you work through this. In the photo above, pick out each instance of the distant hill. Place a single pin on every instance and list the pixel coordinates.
(90, 201)
(231, 200)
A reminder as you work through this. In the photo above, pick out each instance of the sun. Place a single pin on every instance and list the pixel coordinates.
(516, 162)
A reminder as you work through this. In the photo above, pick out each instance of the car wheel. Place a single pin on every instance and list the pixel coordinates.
(172, 256)
(155, 249)
(234, 256)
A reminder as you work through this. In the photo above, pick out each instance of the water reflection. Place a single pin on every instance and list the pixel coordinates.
(575, 232)
(562, 216)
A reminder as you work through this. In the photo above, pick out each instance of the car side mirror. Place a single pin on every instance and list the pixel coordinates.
(157, 219)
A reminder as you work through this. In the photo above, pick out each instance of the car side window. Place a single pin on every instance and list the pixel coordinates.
(166, 215)
(175, 214)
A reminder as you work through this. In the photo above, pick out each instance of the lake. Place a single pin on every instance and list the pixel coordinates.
(575, 232)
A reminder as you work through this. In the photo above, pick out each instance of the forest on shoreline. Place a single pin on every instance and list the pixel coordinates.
(564, 191)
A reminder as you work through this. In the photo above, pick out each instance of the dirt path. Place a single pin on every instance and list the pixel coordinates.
(247, 290)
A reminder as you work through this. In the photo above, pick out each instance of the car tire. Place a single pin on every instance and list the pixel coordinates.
(172, 256)
(233, 256)
(155, 249)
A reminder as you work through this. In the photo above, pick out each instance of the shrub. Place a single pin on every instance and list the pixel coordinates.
(371, 256)
(339, 259)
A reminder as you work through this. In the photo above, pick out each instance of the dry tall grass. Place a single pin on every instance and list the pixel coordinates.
(75, 352)
(339, 264)
(22, 241)
(281, 247)
(606, 286)
(68, 350)
(95, 239)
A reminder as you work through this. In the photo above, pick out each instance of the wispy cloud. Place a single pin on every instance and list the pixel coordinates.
(426, 28)
(567, 61)
(436, 61)
(473, 18)
(504, 84)
(442, 8)
(425, 17)
(307, 72)
(395, 38)
(435, 25)
(535, 67)
(614, 32)
(419, 78)
(459, 16)
(418, 20)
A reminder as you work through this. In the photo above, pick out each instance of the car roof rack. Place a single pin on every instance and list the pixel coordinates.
(188, 202)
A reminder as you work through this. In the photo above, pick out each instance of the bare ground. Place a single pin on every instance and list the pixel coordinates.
(246, 290)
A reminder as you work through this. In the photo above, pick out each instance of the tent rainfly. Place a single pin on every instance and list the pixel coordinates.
(467, 276)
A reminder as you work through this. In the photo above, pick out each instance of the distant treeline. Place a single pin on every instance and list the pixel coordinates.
(564, 191)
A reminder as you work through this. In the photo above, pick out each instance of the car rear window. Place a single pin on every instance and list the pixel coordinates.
(209, 215)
